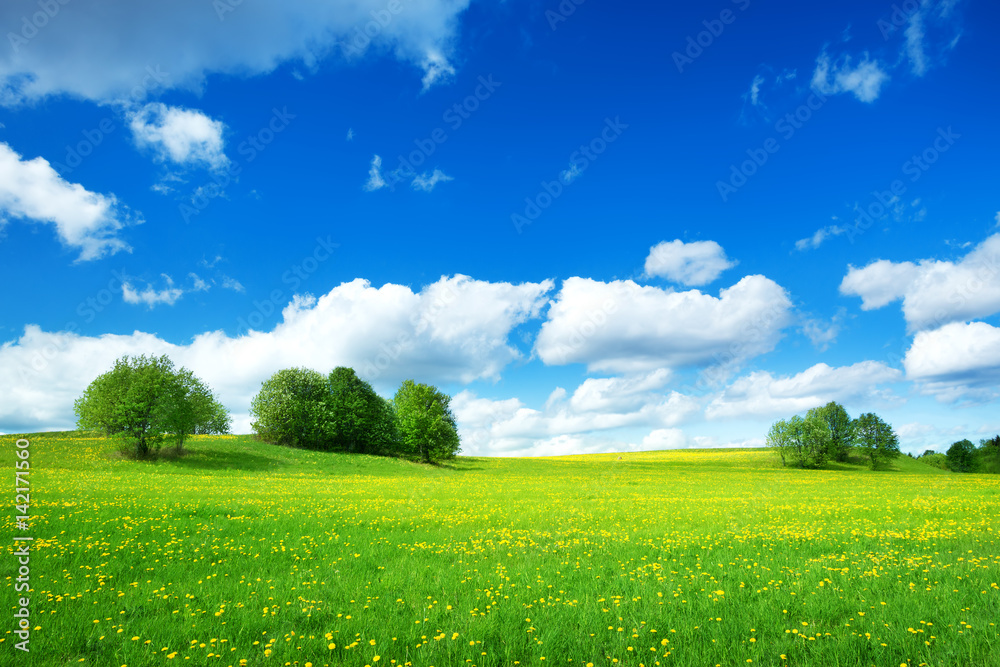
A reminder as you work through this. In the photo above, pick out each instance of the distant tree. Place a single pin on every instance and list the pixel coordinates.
(841, 427)
(801, 442)
(928, 452)
(960, 456)
(427, 426)
(292, 409)
(191, 408)
(362, 420)
(876, 439)
(130, 403)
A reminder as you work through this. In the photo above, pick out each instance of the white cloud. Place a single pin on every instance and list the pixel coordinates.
(198, 285)
(821, 334)
(436, 68)
(350, 134)
(691, 264)
(375, 180)
(427, 182)
(151, 297)
(183, 136)
(933, 291)
(755, 89)
(760, 394)
(915, 43)
(592, 419)
(232, 283)
(960, 360)
(184, 41)
(88, 221)
(864, 81)
(622, 327)
(816, 240)
(665, 438)
(454, 330)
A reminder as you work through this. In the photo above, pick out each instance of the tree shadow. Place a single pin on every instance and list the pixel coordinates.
(207, 459)
(459, 464)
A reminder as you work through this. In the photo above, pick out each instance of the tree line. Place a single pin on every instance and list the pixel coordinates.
(964, 456)
(828, 433)
(144, 401)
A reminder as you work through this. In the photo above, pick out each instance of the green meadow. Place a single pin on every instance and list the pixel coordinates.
(242, 553)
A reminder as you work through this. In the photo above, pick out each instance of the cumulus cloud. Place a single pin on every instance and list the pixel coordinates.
(863, 80)
(958, 361)
(760, 394)
(934, 292)
(426, 182)
(185, 137)
(623, 327)
(690, 264)
(454, 330)
(34, 191)
(191, 39)
(594, 418)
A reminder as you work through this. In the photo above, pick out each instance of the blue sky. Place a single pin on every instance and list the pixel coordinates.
(598, 226)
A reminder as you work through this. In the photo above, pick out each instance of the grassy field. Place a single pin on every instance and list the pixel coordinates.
(242, 553)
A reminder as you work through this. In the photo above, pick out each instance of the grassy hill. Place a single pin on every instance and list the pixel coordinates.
(241, 553)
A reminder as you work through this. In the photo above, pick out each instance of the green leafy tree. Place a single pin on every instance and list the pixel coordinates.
(191, 408)
(362, 420)
(778, 437)
(427, 426)
(801, 442)
(292, 409)
(841, 427)
(876, 439)
(960, 456)
(130, 403)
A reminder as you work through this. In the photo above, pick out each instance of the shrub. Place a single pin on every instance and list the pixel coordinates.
(292, 409)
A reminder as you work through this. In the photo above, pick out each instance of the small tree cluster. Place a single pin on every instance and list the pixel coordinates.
(298, 407)
(828, 433)
(143, 399)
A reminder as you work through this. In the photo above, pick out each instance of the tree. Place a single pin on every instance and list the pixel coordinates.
(803, 442)
(960, 456)
(876, 438)
(362, 420)
(778, 438)
(427, 427)
(129, 402)
(292, 409)
(192, 408)
(842, 436)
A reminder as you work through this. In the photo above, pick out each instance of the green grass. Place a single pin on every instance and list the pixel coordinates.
(244, 553)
